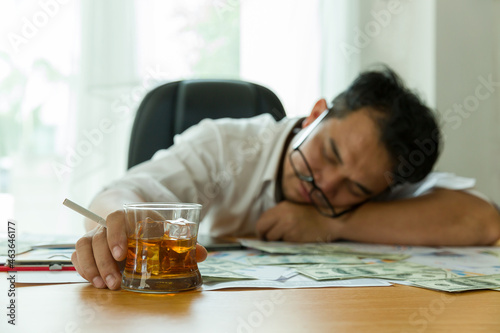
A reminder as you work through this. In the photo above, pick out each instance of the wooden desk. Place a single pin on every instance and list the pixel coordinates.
(82, 308)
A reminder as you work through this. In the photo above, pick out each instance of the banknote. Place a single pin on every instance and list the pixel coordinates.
(302, 259)
(374, 255)
(214, 272)
(425, 275)
(289, 248)
(493, 252)
(361, 271)
(222, 269)
(316, 248)
(225, 264)
(462, 283)
(311, 266)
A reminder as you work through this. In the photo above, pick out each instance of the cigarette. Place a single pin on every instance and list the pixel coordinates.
(85, 212)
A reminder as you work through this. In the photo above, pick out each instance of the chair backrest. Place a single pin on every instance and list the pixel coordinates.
(173, 107)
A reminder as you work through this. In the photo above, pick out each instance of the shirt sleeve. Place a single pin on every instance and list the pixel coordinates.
(432, 181)
(186, 172)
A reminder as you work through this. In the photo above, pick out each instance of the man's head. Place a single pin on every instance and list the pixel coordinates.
(377, 134)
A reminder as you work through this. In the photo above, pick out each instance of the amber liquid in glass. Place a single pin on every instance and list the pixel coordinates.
(161, 264)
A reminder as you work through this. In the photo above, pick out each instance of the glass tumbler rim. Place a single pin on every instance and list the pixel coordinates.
(162, 205)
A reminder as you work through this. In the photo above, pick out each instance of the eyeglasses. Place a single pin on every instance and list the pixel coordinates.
(304, 172)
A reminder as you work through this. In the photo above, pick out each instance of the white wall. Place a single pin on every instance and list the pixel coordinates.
(442, 48)
(402, 35)
(466, 54)
(340, 57)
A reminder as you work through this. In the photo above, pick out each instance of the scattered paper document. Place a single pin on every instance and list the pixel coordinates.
(43, 277)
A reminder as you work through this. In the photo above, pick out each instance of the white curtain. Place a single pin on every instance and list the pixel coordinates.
(37, 94)
(108, 87)
(87, 68)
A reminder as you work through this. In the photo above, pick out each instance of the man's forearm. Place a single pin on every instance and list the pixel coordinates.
(109, 201)
(443, 217)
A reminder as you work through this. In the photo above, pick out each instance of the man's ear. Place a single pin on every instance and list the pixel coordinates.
(317, 110)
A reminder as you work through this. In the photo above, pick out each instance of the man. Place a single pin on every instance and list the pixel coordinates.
(359, 170)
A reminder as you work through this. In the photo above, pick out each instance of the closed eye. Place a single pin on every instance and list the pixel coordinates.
(359, 190)
(355, 188)
(329, 157)
(356, 191)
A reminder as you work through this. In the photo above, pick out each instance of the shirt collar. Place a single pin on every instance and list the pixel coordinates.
(278, 153)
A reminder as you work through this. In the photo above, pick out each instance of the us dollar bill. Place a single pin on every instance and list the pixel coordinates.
(316, 248)
(426, 275)
(334, 273)
(214, 272)
(302, 259)
(222, 269)
(462, 283)
(228, 265)
(289, 247)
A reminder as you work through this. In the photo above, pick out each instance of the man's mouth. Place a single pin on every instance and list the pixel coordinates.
(304, 193)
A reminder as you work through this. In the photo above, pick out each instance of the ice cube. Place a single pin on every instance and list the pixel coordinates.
(149, 228)
(142, 226)
(181, 228)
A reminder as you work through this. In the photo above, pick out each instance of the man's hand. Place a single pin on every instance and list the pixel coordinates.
(101, 252)
(293, 222)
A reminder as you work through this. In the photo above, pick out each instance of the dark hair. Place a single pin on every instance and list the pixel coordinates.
(408, 128)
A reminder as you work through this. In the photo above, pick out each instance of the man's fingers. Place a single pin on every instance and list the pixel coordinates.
(117, 235)
(95, 254)
(201, 253)
(265, 223)
(85, 262)
(275, 233)
(106, 264)
(74, 260)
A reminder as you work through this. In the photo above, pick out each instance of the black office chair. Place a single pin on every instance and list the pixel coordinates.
(173, 107)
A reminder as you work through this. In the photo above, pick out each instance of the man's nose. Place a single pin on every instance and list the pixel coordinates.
(329, 182)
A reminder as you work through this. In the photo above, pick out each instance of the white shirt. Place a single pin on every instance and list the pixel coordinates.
(230, 166)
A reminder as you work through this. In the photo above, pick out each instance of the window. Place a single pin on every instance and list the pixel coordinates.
(73, 73)
(37, 81)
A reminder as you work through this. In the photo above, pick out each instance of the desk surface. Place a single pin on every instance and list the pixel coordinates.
(82, 308)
